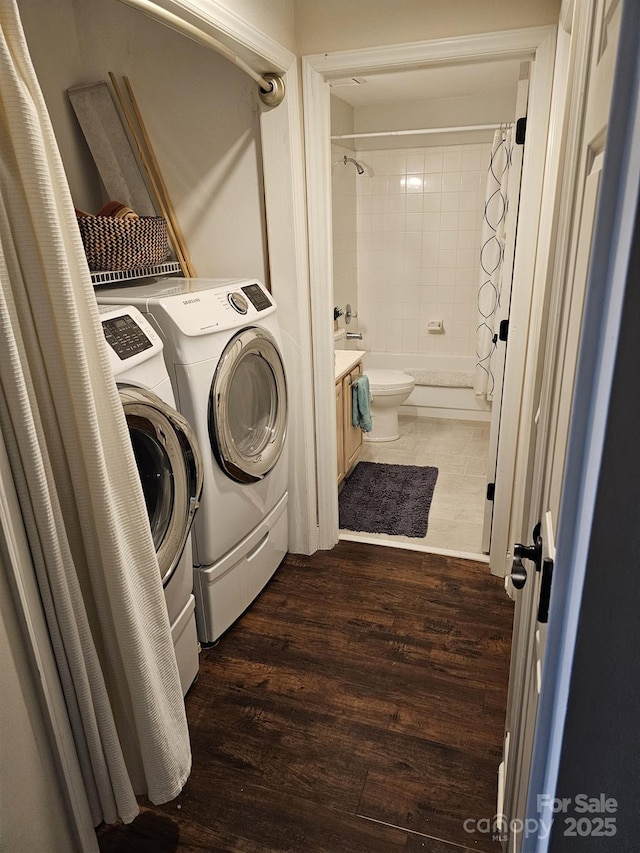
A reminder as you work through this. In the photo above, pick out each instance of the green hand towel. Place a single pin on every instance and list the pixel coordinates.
(361, 404)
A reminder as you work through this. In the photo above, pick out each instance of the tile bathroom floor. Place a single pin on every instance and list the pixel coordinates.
(458, 449)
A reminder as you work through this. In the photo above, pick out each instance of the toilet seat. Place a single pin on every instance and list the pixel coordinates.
(385, 382)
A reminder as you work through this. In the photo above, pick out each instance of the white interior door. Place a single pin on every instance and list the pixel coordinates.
(596, 26)
(533, 239)
(502, 314)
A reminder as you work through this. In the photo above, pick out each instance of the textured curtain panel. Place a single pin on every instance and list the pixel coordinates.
(75, 473)
(491, 257)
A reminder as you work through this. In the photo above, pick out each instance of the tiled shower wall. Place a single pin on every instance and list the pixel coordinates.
(419, 217)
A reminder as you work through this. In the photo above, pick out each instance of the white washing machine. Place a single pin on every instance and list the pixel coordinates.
(222, 350)
(169, 463)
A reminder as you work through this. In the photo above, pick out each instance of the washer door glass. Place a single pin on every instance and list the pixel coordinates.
(170, 469)
(156, 476)
(248, 406)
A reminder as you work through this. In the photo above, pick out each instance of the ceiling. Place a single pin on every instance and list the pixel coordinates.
(476, 78)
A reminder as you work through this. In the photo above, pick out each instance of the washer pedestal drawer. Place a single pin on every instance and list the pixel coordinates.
(224, 590)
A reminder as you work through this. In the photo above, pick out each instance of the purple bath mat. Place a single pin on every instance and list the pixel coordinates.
(393, 499)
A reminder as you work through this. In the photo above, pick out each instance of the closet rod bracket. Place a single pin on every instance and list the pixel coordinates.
(275, 94)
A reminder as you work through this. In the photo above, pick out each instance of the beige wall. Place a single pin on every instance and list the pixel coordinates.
(497, 106)
(342, 119)
(328, 25)
(45, 25)
(275, 18)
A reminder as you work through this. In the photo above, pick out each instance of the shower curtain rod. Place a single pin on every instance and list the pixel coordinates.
(270, 86)
(424, 131)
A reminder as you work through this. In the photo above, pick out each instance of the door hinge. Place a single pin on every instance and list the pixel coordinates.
(521, 130)
(503, 332)
(545, 590)
(491, 491)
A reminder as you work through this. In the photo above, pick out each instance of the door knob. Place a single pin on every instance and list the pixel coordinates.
(518, 573)
(529, 552)
(526, 552)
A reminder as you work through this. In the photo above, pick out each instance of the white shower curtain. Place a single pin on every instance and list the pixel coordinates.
(491, 258)
(75, 475)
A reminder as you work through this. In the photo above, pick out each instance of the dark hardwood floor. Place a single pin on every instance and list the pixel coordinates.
(357, 706)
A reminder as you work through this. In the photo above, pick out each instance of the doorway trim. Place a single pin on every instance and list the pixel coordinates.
(285, 211)
(536, 43)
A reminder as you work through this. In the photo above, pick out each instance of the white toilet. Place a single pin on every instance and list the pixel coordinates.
(389, 390)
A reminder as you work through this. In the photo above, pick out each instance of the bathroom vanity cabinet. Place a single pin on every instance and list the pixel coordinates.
(348, 366)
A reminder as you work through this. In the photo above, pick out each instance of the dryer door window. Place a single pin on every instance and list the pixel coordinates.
(170, 469)
(248, 406)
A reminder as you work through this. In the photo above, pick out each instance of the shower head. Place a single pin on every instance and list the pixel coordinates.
(345, 160)
(359, 168)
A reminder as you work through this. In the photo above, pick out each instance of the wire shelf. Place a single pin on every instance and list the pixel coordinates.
(114, 276)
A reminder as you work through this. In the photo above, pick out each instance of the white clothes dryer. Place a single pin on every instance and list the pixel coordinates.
(222, 349)
(169, 463)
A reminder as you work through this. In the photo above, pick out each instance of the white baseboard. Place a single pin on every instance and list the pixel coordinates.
(452, 414)
(410, 546)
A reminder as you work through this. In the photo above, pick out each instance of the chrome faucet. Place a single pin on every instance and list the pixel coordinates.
(354, 336)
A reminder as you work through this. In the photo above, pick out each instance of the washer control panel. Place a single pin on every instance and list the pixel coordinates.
(196, 306)
(124, 336)
(238, 302)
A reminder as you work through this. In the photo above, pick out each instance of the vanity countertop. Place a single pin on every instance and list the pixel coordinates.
(346, 360)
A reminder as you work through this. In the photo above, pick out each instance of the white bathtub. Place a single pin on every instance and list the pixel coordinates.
(448, 397)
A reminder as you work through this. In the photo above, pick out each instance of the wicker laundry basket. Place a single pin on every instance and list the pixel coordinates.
(123, 244)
